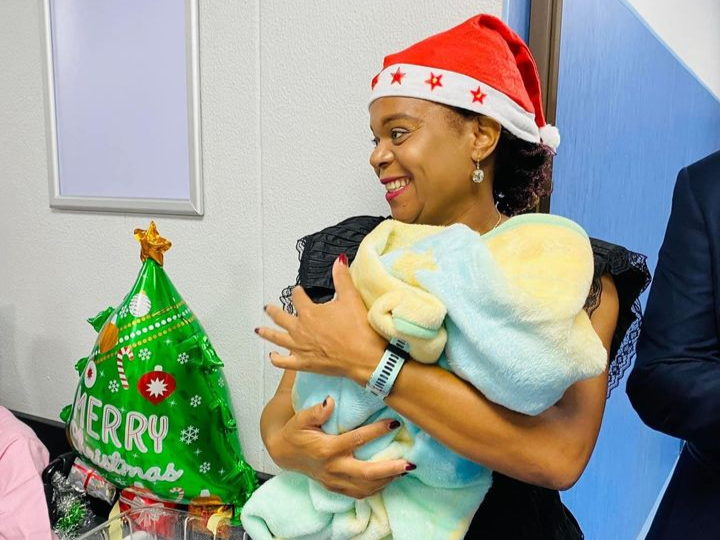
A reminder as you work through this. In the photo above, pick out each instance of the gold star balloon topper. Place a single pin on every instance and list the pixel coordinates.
(152, 245)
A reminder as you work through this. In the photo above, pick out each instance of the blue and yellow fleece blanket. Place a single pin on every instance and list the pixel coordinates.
(503, 310)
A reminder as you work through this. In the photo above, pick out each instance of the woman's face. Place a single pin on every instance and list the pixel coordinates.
(424, 158)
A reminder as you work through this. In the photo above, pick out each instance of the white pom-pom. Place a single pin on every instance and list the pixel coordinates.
(550, 136)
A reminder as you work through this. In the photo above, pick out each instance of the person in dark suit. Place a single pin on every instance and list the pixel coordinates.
(675, 384)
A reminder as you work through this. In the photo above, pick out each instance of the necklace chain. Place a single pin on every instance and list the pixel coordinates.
(499, 219)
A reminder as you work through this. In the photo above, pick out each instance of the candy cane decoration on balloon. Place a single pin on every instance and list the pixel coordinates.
(181, 493)
(125, 351)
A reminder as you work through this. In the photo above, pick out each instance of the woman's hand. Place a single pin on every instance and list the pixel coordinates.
(302, 446)
(333, 339)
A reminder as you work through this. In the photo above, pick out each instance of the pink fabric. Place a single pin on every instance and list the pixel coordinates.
(23, 510)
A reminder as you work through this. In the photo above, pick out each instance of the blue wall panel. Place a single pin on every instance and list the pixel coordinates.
(630, 115)
(516, 13)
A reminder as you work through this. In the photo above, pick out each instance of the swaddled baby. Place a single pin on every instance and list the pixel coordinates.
(503, 310)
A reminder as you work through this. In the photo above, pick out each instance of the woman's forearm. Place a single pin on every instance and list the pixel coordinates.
(550, 449)
(276, 414)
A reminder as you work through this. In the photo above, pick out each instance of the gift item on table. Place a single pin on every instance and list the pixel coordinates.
(69, 508)
(211, 515)
(140, 535)
(149, 516)
(152, 404)
(86, 479)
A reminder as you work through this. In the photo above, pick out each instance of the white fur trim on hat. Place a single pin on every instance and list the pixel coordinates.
(550, 136)
(458, 90)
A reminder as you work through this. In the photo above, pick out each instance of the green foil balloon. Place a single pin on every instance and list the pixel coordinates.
(152, 407)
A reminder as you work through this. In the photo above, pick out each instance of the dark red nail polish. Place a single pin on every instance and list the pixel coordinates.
(410, 467)
(343, 259)
(257, 330)
(265, 307)
(325, 402)
(394, 424)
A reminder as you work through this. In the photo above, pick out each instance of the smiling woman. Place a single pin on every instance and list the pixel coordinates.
(438, 139)
(426, 161)
(462, 148)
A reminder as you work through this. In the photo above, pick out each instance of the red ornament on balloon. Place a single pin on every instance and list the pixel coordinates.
(156, 386)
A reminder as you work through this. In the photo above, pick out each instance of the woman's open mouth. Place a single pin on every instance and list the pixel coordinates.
(395, 186)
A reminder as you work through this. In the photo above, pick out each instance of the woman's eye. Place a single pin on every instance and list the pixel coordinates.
(396, 134)
(374, 141)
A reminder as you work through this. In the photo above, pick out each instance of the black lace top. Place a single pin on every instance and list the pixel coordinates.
(512, 509)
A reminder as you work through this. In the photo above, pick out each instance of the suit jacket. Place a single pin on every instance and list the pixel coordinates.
(675, 384)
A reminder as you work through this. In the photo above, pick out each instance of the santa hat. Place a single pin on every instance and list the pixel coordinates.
(480, 65)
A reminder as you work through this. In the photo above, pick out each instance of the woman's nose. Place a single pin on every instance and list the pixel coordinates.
(381, 156)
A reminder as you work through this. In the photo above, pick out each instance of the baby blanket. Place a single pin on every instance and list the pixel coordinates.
(502, 310)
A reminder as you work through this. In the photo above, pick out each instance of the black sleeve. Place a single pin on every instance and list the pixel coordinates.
(317, 253)
(631, 276)
(675, 385)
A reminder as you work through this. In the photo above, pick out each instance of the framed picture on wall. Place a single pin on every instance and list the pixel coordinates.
(123, 105)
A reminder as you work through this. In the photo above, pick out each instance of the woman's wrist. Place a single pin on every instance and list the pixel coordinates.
(368, 359)
(275, 448)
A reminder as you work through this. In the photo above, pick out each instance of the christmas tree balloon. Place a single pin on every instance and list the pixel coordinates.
(152, 405)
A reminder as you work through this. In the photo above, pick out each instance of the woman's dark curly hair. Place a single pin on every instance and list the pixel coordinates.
(523, 171)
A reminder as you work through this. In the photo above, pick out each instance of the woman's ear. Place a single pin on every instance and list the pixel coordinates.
(487, 134)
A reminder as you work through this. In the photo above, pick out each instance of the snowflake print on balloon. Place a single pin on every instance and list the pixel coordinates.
(113, 386)
(221, 382)
(195, 401)
(183, 358)
(145, 354)
(123, 312)
(189, 435)
(205, 467)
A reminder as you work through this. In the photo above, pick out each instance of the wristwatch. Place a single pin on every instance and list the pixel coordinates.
(387, 370)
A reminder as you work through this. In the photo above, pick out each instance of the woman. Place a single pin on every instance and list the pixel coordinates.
(459, 138)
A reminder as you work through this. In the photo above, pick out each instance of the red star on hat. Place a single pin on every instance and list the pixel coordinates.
(434, 80)
(478, 95)
(397, 77)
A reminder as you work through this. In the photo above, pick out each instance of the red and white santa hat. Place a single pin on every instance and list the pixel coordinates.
(480, 65)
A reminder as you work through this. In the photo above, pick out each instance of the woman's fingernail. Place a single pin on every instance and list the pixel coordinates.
(257, 330)
(265, 307)
(410, 467)
(343, 259)
(325, 402)
(394, 424)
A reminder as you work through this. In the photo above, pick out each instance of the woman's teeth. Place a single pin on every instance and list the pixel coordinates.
(396, 185)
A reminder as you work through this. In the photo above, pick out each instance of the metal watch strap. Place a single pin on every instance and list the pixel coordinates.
(387, 370)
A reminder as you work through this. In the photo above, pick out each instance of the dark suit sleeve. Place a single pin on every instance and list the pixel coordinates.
(675, 384)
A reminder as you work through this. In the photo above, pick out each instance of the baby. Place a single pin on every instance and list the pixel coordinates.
(503, 311)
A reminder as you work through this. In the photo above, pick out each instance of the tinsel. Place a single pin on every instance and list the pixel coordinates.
(70, 508)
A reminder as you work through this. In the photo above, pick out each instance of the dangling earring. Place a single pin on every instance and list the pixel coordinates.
(478, 174)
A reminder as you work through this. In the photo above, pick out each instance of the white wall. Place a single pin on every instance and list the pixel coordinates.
(691, 28)
(285, 145)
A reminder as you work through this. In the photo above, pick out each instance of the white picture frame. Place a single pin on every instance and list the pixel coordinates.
(122, 90)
